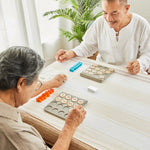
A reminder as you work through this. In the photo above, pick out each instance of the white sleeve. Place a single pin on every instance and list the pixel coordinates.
(89, 44)
(144, 49)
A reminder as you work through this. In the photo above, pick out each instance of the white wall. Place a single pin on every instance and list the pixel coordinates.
(141, 7)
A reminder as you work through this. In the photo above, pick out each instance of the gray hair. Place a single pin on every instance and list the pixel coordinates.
(121, 1)
(17, 62)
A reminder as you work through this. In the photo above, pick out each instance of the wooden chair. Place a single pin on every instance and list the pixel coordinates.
(94, 56)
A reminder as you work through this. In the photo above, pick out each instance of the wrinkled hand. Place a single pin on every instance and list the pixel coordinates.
(75, 117)
(133, 67)
(64, 55)
(58, 80)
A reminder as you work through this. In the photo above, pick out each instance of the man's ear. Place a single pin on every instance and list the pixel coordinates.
(127, 7)
(21, 84)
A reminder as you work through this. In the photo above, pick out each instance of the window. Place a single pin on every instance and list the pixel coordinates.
(49, 29)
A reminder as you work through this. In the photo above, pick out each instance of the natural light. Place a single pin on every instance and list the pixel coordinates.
(49, 29)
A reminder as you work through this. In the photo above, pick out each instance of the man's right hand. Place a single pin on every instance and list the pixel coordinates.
(64, 55)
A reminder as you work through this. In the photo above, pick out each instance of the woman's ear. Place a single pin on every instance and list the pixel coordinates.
(21, 84)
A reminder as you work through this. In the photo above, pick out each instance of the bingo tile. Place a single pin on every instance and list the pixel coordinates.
(63, 103)
(97, 73)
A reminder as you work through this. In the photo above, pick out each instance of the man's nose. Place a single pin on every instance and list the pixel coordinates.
(109, 17)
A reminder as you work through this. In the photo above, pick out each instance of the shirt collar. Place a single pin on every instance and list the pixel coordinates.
(8, 111)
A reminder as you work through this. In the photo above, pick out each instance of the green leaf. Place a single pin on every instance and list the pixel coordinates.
(81, 14)
(97, 15)
(65, 13)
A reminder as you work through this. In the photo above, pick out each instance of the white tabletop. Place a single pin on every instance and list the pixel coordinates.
(118, 113)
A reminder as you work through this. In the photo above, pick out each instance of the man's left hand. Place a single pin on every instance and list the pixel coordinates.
(133, 67)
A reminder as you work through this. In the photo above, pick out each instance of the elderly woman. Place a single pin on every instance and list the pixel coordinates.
(19, 71)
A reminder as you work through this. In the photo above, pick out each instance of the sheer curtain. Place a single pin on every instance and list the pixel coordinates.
(49, 29)
(19, 25)
(22, 23)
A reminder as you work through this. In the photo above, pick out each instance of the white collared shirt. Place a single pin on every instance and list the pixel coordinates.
(133, 42)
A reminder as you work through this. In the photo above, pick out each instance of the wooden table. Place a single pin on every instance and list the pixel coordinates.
(118, 113)
(50, 133)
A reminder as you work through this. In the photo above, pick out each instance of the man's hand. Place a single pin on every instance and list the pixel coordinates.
(64, 55)
(75, 117)
(58, 80)
(133, 67)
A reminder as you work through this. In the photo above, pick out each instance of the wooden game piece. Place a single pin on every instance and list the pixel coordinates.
(80, 102)
(107, 72)
(58, 99)
(90, 73)
(62, 95)
(70, 104)
(88, 69)
(64, 101)
(110, 69)
(97, 69)
(99, 72)
(96, 65)
(74, 99)
(68, 97)
(102, 70)
(86, 72)
(101, 77)
(75, 105)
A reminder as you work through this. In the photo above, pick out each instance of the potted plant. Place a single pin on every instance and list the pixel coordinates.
(81, 13)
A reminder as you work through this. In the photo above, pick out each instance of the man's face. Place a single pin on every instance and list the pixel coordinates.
(114, 13)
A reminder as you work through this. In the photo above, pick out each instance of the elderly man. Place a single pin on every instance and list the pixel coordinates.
(120, 37)
(19, 71)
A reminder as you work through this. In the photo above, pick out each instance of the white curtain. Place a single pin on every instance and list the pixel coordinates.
(19, 25)
(20, 21)
(49, 29)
